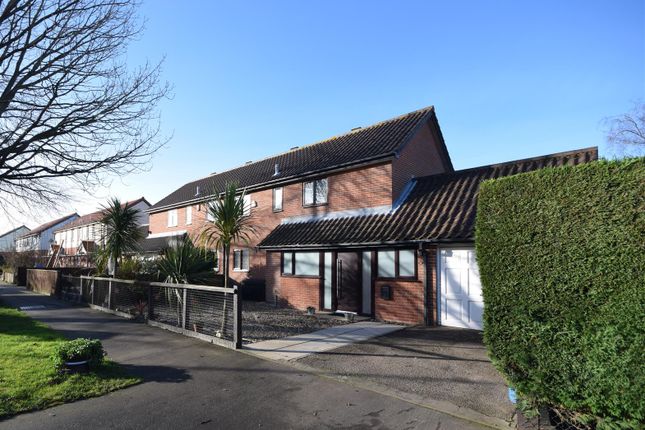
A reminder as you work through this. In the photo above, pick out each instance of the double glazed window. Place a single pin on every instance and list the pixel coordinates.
(172, 218)
(277, 199)
(301, 263)
(241, 260)
(314, 192)
(189, 215)
(397, 263)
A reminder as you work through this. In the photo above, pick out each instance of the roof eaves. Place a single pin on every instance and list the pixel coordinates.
(279, 181)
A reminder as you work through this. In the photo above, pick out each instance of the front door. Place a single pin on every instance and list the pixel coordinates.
(348, 282)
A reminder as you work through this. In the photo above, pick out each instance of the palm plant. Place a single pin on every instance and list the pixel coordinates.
(230, 225)
(122, 233)
(184, 263)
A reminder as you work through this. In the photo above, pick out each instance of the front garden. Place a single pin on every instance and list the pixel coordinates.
(31, 374)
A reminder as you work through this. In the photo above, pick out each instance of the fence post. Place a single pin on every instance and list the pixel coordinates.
(183, 310)
(109, 293)
(92, 291)
(237, 317)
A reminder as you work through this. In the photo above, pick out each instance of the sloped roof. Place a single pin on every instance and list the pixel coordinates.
(96, 216)
(374, 142)
(440, 208)
(14, 230)
(48, 225)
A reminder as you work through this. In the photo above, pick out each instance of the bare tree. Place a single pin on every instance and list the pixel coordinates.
(626, 133)
(71, 112)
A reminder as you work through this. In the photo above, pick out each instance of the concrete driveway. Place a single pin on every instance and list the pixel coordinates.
(443, 367)
(193, 384)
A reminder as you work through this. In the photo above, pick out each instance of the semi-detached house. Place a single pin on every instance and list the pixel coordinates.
(375, 222)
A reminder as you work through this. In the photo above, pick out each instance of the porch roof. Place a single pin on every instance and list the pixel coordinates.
(440, 208)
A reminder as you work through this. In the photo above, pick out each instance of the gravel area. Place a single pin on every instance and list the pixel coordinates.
(437, 363)
(263, 321)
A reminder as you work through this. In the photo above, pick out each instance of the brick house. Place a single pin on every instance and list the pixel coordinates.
(359, 223)
(82, 236)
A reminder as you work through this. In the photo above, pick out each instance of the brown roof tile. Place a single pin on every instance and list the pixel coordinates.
(439, 208)
(369, 143)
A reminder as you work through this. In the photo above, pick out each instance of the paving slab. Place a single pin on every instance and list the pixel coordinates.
(302, 345)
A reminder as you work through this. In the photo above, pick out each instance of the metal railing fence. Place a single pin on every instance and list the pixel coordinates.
(209, 313)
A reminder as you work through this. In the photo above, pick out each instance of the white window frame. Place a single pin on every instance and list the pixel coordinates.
(247, 204)
(276, 191)
(242, 251)
(315, 185)
(189, 215)
(172, 218)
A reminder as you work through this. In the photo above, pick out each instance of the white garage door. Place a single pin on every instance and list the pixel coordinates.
(460, 296)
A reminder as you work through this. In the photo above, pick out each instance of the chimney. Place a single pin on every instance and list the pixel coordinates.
(276, 171)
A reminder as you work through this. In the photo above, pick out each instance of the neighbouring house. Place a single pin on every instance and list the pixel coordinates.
(79, 239)
(41, 238)
(8, 239)
(375, 222)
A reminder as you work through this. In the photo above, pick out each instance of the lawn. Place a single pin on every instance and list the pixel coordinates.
(28, 380)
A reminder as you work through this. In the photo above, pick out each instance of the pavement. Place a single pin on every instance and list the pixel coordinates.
(193, 384)
(442, 367)
(302, 345)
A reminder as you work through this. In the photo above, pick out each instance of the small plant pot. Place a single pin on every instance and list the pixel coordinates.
(82, 366)
(350, 317)
(311, 310)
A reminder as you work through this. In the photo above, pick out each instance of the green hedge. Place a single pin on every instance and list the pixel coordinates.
(562, 259)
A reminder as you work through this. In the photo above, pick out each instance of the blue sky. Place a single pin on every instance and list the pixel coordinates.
(508, 79)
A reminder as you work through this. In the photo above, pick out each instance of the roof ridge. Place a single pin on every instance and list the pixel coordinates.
(319, 142)
(520, 160)
(14, 229)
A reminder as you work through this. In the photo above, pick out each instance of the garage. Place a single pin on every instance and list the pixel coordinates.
(460, 298)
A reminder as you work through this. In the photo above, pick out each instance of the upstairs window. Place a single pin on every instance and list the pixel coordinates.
(277, 199)
(241, 260)
(172, 218)
(189, 215)
(397, 263)
(314, 192)
(247, 204)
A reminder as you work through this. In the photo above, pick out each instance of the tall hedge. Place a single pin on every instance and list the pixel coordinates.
(561, 254)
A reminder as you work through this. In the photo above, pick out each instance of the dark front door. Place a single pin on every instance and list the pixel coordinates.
(348, 282)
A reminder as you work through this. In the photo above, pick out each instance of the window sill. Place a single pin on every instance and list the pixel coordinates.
(240, 270)
(401, 279)
(314, 205)
(286, 275)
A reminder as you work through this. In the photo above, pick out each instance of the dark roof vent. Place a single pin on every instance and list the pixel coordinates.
(248, 162)
(293, 148)
(356, 128)
(276, 171)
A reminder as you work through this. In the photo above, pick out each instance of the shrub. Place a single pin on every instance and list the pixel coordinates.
(562, 262)
(79, 350)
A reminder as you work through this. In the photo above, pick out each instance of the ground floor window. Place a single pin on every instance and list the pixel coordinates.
(300, 264)
(241, 260)
(397, 263)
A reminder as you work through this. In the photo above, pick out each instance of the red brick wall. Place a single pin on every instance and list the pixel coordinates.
(354, 189)
(420, 157)
(298, 292)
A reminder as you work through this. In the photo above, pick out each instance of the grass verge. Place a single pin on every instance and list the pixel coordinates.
(28, 380)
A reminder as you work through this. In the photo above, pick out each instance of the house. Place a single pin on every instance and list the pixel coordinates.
(363, 222)
(81, 237)
(41, 238)
(8, 239)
